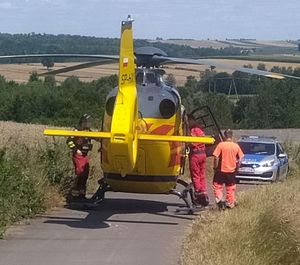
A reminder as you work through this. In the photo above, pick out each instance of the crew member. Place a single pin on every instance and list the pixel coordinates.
(197, 162)
(80, 146)
(226, 157)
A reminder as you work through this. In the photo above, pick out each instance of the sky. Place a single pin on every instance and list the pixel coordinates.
(190, 19)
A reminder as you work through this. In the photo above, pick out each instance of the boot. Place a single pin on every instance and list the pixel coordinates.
(201, 198)
(222, 205)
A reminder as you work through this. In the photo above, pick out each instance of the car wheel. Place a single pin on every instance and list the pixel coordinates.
(277, 177)
(286, 174)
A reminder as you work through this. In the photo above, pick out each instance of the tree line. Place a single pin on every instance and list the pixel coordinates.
(47, 43)
(259, 103)
(275, 103)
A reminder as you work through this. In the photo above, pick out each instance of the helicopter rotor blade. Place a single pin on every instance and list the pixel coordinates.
(77, 67)
(67, 55)
(173, 60)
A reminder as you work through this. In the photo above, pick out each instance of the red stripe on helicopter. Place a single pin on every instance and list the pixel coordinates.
(174, 145)
(175, 159)
(163, 129)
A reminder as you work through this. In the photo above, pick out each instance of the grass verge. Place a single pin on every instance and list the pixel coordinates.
(35, 172)
(264, 229)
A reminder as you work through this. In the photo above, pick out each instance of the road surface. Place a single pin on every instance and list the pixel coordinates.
(127, 229)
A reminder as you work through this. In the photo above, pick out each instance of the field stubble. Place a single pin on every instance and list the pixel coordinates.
(21, 72)
(263, 230)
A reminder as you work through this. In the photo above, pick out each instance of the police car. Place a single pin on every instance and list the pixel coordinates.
(264, 159)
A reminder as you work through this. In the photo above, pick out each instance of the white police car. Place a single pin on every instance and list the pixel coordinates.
(264, 159)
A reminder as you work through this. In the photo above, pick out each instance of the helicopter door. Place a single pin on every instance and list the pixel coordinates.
(205, 117)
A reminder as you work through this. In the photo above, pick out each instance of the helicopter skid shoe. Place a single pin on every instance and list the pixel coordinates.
(186, 195)
(192, 209)
(98, 196)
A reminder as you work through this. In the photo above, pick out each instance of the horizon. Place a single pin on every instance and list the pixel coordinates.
(174, 38)
(167, 19)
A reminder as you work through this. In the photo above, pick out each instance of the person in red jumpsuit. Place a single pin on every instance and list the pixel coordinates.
(197, 162)
(80, 146)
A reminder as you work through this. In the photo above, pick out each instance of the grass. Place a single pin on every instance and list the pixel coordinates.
(264, 229)
(35, 172)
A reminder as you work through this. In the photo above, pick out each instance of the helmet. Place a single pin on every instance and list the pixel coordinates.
(85, 121)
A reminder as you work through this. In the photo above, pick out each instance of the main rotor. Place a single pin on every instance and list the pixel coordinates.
(149, 57)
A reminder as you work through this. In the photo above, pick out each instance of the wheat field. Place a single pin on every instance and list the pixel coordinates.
(21, 72)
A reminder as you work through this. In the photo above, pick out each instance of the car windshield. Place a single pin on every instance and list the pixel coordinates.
(251, 148)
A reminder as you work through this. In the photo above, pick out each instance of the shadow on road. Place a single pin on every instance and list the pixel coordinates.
(99, 217)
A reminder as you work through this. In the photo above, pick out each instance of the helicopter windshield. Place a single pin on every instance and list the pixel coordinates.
(143, 77)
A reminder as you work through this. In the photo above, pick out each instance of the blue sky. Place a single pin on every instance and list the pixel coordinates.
(197, 19)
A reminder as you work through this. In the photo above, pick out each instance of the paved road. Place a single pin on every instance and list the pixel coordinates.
(128, 229)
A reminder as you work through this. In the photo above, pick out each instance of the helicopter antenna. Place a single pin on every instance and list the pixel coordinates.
(129, 19)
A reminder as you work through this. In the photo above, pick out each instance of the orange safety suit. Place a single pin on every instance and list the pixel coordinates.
(228, 153)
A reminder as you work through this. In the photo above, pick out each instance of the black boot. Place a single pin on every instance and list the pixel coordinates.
(201, 198)
(221, 205)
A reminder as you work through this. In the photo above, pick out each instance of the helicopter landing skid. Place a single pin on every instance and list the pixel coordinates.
(187, 195)
(99, 196)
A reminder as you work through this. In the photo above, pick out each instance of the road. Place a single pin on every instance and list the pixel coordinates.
(126, 229)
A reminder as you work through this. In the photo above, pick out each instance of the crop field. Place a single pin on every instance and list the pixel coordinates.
(283, 135)
(21, 72)
(217, 44)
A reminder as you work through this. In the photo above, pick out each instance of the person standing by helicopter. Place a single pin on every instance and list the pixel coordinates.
(80, 146)
(226, 157)
(197, 163)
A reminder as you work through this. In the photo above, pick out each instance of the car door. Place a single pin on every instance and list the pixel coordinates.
(206, 118)
(283, 161)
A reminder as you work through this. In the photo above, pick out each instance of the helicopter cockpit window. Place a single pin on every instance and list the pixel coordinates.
(150, 78)
(139, 78)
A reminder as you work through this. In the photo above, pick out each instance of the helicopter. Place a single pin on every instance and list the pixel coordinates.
(144, 131)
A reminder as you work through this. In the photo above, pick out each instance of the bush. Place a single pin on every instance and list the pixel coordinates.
(54, 161)
(19, 197)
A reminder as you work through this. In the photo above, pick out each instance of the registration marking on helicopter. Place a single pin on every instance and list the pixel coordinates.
(127, 78)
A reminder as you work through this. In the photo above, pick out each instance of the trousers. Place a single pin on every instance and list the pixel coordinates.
(82, 168)
(227, 179)
(197, 164)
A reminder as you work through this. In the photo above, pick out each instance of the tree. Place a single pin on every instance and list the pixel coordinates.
(50, 80)
(170, 80)
(47, 62)
(277, 105)
(249, 65)
(261, 66)
(33, 76)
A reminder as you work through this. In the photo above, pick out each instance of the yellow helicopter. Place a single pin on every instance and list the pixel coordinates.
(144, 131)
